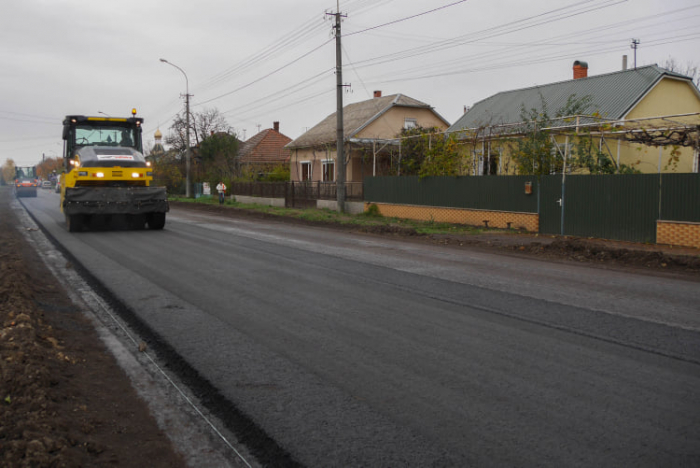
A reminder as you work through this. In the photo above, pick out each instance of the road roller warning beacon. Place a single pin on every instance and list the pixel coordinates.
(107, 178)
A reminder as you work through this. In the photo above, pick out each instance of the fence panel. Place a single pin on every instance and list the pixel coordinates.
(306, 190)
(550, 205)
(622, 207)
(505, 193)
(259, 189)
(680, 197)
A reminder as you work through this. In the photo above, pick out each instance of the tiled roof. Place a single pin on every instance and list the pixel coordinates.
(355, 117)
(267, 146)
(613, 95)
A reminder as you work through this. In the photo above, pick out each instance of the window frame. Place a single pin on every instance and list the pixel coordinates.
(325, 164)
(303, 173)
(409, 123)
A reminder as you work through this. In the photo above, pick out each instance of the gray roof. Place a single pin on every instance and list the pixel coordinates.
(355, 118)
(613, 95)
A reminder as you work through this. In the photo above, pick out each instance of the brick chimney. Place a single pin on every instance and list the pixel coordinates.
(580, 69)
(377, 94)
(276, 126)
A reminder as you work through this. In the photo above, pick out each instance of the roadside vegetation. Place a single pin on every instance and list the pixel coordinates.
(367, 219)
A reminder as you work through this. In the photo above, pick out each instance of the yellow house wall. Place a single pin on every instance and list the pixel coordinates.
(390, 124)
(647, 159)
(498, 149)
(668, 97)
(314, 156)
(353, 171)
(643, 158)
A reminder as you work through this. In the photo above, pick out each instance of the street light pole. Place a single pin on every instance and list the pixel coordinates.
(187, 128)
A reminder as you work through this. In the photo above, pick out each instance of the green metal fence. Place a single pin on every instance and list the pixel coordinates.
(622, 207)
(485, 193)
(680, 197)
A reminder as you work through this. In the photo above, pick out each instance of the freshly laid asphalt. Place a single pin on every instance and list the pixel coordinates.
(349, 350)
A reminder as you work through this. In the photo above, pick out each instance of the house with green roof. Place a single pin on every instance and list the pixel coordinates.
(371, 138)
(646, 119)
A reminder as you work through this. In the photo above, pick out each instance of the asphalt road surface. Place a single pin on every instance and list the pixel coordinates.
(353, 350)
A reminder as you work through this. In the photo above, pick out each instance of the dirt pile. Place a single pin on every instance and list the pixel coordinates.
(64, 400)
(586, 250)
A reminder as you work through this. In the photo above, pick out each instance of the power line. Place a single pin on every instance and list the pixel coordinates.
(406, 18)
(253, 60)
(33, 116)
(32, 138)
(308, 99)
(544, 58)
(14, 119)
(448, 66)
(295, 88)
(284, 42)
(267, 75)
(491, 32)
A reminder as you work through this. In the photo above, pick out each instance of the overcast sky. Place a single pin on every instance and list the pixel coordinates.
(260, 61)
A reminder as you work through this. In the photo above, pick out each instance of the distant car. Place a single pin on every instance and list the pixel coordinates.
(46, 184)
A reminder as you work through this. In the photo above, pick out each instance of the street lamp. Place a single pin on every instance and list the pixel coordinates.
(187, 128)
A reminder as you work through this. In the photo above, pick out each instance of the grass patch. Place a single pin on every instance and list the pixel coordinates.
(369, 218)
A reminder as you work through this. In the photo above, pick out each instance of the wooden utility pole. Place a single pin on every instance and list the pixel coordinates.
(340, 136)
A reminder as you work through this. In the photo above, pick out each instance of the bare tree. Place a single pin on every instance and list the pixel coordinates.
(689, 69)
(202, 125)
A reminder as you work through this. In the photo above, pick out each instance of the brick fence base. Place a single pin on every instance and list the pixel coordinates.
(496, 219)
(680, 233)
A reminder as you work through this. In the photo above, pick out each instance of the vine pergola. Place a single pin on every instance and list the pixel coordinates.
(678, 130)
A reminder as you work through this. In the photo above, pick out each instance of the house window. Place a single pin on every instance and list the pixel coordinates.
(328, 170)
(409, 124)
(478, 162)
(559, 151)
(305, 170)
(491, 162)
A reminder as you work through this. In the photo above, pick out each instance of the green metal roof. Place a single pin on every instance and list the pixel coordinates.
(613, 95)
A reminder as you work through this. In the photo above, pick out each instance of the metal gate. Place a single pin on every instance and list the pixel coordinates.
(549, 204)
(301, 195)
(621, 206)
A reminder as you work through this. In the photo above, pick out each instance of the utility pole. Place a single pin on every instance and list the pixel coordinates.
(635, 44)
(188, 192)
(340, 136)
(188, 155)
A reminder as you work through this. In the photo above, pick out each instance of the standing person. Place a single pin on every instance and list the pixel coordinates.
(221, 188)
